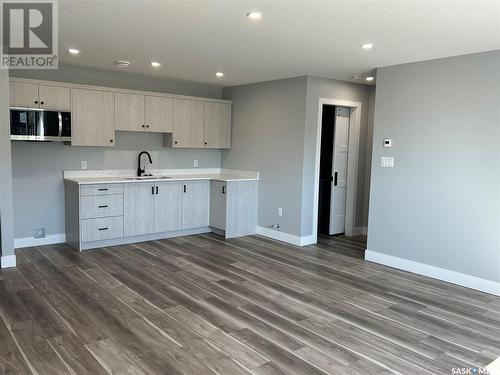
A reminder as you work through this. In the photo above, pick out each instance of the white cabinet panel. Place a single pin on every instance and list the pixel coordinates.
(168, 206)
(23, 94)
(187, 124)
(92, 118)
(195, 204)
(217, 125)
(218, 200)
(138, 208)
(101, 229)
(101, 206)
(129, 112)
(54, 97)
(158, 114)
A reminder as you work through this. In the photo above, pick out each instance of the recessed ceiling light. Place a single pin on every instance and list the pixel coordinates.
(155, 64)
(370, 78)
(219, 74)
(122, 63)
(367, 46)
(356, 76)
(254, 15)
(73, 51)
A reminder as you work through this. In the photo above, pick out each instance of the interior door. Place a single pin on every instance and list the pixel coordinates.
(339, 170)
(138, 209)
(168, 207)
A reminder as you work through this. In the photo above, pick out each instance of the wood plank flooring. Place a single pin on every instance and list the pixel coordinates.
(205, 305)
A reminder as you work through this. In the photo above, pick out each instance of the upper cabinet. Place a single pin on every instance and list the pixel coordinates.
(143, 113)
(217, 125)
(31, 95)
(92, 118)
(187, 124)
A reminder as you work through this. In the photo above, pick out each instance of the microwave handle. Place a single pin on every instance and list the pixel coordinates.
(59, 117)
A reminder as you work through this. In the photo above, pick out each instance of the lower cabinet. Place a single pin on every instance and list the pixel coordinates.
(138, 209)
(195, 204)
(233, 207)
(168, 206)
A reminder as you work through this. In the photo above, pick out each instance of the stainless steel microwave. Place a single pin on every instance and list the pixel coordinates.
(33, 124)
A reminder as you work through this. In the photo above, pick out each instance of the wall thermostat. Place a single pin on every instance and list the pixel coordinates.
(387, 143)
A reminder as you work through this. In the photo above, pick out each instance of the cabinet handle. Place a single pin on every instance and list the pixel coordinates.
(104, 228)
(106, 206)
(147, 126)
(336, 175)
(206, 143)
(157, 190)
(185, 189)
(102, 189)
(143, 126)
(41, 102)
(153, 190)
(111, 140)
(223, 190)
(175, 142)
(36, 101)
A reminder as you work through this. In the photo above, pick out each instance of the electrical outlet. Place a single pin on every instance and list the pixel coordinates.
(39, 233)
(280, 211)
(195, 163)
(84, 164)
(275, 226)
(387, 162)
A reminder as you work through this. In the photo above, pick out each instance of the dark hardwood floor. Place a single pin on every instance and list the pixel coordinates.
(204, 305)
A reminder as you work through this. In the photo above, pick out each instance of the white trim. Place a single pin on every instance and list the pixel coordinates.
(48, 240)
(8, 261)
(360, 231)
(285, 237)
(494, 367)
(458, 278)
(352, 164)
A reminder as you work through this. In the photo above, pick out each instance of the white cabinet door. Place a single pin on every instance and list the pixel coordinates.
(218, 201)
(217, 125)
(138, 208)
(54, 97)
(158, 114)
(187, 124)
(23, 94)
(195, 204)
(92, 118)
(168, 206)
(129, 112)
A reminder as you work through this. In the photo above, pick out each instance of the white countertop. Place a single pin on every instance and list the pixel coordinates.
(120, 177)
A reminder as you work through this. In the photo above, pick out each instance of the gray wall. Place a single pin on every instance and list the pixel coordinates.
(268, 136)
(38, 167)
(440, 204)
(274, 132)
(332, 89)
(6, 222)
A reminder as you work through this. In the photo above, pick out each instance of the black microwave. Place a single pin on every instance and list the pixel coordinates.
(39, 125)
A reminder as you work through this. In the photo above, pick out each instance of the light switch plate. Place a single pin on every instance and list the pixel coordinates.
(195, 163)
(84, 164)
(387, 162)
(280, 211)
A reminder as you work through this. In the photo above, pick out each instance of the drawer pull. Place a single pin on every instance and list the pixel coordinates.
(223, 190)
(106, 206)
(104, 228)
(102, 189)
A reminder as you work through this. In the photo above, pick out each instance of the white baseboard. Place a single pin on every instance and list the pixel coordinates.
(360, 231)
(285, 237)
(48, 240)
(458, 278)
(8, 261)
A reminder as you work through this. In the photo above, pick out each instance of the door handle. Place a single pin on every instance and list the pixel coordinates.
(336, 175)
(185, 188)
(223, 190)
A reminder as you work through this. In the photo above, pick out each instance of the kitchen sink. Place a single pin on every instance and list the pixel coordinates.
(142, 178)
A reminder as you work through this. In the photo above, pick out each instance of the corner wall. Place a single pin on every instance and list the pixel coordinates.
(6, 209)
(440, 204)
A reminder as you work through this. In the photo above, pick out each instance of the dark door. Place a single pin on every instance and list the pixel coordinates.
(325, 168)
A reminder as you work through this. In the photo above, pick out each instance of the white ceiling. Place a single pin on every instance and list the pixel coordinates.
(195, 39)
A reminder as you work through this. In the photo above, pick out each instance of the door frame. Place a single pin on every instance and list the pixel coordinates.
(352, 162)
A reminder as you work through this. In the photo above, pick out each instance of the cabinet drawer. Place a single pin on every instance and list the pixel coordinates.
(101, 229)
(101, 189)
(101, 206)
